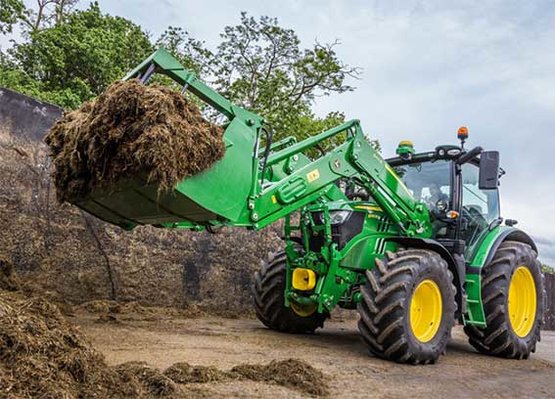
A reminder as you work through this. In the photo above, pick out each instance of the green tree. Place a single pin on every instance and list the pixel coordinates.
(77, 59)
(16, 79)
(68, 57)
(190, 52)
(11, 12)
(548, 269)
(261, 66)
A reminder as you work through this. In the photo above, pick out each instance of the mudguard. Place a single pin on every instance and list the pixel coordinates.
(481, 256)
(457, 268)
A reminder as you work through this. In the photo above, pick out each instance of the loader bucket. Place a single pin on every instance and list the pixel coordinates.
(218, 194)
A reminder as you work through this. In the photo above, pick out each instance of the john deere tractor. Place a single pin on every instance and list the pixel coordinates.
(414, 242)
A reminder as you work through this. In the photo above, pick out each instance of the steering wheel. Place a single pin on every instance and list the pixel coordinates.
(474, 215)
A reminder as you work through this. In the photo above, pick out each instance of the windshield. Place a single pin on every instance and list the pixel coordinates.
(429, 182)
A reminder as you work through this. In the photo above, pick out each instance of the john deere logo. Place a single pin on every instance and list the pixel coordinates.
(313, 175)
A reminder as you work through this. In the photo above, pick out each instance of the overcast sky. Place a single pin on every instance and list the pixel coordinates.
(428, 67)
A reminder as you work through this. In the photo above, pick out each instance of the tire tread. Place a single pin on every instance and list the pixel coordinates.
(497, 337)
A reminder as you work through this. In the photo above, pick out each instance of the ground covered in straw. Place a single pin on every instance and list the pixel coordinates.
(42, 355)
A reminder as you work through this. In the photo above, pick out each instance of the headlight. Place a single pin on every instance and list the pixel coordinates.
(336, 217)
(339, 217)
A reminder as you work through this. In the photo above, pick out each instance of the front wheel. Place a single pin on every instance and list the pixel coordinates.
(512, 292)
(408, 307)
(269, 300)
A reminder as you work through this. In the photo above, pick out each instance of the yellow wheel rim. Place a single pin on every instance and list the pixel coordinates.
(426, 308)
(303, 310)
(522, 301)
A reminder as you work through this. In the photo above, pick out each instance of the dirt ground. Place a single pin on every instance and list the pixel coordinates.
(336, 350)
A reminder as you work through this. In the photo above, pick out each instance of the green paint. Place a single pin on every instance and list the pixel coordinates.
(477, 255)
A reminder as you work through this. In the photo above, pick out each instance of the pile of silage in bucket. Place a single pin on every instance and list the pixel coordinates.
(131, 130)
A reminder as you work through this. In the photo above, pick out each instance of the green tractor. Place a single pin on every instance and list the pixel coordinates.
(413, 242)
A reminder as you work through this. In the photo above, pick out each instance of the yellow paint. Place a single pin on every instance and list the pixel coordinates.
(274, 199)
(369, 208)
(426, 308)
(304, 310)
(303, 279)
(313, 175)
(396, 176)
(522, 301)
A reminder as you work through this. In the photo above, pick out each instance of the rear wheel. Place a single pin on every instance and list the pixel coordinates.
(269, 300)
(512, 292)
(408, 307)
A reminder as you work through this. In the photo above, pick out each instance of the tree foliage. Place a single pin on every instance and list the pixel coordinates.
(69, 56)
(262, 66)
(84, 54)
(11, 11)
(14, 78)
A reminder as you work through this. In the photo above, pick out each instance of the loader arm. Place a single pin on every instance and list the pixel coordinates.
(251, 187)
(161, 61)
(354, 159)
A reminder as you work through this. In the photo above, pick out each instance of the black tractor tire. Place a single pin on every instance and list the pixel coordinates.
(385, 308)
(499, 338)
(269, 299)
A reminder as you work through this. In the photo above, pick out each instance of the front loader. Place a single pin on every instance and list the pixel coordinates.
(413, 243)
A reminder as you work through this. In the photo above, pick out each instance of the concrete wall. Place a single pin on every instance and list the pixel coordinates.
(25, 116)
(549, 321)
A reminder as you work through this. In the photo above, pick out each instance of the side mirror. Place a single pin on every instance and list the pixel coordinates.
(489, 170)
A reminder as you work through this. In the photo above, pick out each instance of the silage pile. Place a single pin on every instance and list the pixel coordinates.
(292, 373)
(43, 356)
(131, 130)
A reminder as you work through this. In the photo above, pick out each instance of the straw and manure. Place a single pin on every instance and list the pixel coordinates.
(131, 131)
(43, 356)
(292, 373)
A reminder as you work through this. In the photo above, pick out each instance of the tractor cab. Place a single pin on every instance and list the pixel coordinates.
(460, 188)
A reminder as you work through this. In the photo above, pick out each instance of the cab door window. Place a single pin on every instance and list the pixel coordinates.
(479, 207)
